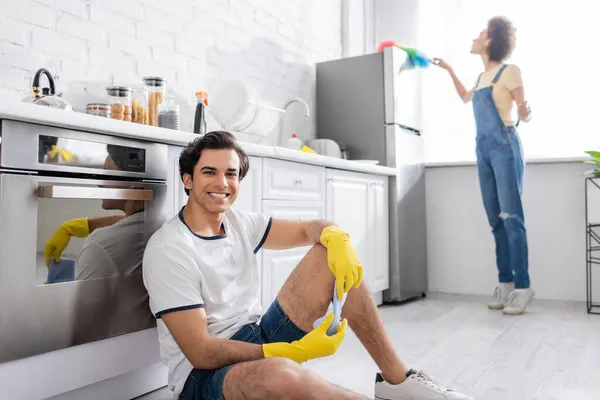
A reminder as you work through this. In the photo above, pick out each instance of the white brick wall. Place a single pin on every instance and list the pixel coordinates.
(90, 44)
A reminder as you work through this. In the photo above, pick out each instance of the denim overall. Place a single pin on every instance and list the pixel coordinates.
(500, 168)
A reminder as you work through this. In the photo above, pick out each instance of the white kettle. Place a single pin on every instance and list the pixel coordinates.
(48, 97)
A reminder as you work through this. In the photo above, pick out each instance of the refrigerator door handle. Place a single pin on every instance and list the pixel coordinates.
(414, 131)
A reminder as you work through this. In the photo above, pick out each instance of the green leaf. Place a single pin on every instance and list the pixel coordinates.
(594, 154)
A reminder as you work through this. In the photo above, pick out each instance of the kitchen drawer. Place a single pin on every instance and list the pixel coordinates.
(285, 180)
(301, 211)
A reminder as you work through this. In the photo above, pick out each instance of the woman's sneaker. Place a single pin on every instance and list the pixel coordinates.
(518, 301)
(501, 296)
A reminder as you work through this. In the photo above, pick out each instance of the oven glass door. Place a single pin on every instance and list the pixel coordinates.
(71, 254)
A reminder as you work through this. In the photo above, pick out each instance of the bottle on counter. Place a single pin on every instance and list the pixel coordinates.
(169, 114)
(119, 98)
(156, 86)
(200, 116)
(294, 143)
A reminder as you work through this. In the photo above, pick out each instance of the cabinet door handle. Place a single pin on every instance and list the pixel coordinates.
(330, 179)
(299, 181)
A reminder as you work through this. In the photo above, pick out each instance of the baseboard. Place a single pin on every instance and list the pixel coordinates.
(377, 297)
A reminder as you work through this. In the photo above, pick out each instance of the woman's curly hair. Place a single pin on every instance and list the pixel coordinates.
(501, 36)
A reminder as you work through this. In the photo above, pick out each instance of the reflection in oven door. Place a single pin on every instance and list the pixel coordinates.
(71, 254)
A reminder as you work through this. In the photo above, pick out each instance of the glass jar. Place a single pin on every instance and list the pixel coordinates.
(119, 98)
(139, 106)
(156, 93)
(169, 114)
(98, 109)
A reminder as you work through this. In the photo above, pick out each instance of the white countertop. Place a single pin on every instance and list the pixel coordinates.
(76, 120)
(533, 160)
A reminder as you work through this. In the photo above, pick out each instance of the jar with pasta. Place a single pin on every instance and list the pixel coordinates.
(156, 93)
(119, 98)
(139, 106)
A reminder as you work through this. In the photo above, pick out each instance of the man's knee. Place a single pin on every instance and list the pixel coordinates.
(271, 378)
(283, 377)
(318, 251)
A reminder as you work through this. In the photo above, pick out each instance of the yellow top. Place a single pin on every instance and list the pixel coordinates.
(508, 81)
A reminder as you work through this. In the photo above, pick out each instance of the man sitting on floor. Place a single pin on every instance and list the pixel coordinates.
(203, 280)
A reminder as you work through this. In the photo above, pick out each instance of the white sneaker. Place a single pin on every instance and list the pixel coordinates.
(417, 386)
(501, 296)
(518, 301)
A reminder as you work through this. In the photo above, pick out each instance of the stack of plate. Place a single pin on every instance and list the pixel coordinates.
(236, 105)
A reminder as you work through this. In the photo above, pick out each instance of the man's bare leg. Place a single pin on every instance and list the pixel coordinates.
(307, 293)
(279, 378)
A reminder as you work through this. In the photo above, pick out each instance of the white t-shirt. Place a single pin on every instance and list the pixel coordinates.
(502, 92)
(113, 253)
(183, 270)
(114, 250)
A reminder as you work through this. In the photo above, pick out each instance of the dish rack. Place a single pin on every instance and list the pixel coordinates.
(264, 118)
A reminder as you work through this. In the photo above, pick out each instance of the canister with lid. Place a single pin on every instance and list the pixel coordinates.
(98, 109)
(169, 114)
(139, 106)
(156, 86)
(119, 98)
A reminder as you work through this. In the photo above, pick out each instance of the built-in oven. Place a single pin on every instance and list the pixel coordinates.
(76, 212)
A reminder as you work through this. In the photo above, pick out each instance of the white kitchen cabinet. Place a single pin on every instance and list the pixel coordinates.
(378, 233)
(358, 204)
(250, 193)
(176, 197)
(277, 265)
(347, 199)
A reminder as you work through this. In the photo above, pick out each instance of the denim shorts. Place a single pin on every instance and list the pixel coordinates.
(274, 326)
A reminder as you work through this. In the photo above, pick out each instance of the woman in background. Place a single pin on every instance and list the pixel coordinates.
(500, 162)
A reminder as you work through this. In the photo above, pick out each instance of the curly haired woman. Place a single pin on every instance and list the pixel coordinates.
(500, 162)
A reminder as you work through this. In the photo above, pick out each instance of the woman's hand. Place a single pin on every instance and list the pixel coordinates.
(524, 111)
(441, 63)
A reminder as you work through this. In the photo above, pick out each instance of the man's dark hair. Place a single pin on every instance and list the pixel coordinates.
(501, 36)
(215, 140)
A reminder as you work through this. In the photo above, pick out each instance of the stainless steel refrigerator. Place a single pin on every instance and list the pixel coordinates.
(371, 105)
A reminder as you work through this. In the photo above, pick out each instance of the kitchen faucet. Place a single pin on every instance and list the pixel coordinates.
(289, 103)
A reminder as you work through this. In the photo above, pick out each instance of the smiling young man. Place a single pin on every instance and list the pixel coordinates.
(203, 280)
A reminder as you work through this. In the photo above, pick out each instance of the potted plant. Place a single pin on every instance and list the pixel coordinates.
(595, 161)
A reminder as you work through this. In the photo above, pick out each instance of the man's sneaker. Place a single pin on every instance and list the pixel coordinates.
(417, 386)
(501, 296)
(518, 301)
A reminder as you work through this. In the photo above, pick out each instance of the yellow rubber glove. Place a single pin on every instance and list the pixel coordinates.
(342, 259)
(60, 239)
(315, 344)
(66, 155)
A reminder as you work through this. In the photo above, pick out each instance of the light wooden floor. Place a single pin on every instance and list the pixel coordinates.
(551, 353)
